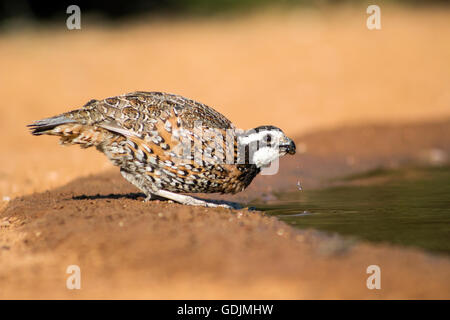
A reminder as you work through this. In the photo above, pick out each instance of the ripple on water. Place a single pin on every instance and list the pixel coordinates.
(409, 206)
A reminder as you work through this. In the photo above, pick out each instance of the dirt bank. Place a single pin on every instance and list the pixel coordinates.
(130, 249)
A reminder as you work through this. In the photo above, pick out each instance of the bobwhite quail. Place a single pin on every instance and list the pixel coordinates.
(166, 144)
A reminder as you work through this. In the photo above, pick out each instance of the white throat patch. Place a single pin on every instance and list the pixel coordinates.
(264, 156)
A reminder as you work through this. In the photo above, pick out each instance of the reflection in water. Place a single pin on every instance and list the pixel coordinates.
(408, 207)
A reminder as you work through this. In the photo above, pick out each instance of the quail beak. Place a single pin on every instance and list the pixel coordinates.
(288, 147)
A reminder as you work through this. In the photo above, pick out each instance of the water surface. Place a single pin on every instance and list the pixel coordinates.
(409, 207)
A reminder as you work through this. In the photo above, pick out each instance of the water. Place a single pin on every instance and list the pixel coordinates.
(409, 207)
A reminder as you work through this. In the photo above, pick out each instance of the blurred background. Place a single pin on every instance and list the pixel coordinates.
(304, 66)
(353, 99)
(45, 11)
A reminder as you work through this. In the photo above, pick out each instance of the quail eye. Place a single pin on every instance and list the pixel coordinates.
(268, 138)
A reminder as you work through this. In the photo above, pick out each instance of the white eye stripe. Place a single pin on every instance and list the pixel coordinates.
(261, 136)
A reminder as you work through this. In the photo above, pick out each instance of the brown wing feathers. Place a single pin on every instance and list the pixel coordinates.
(137, 132)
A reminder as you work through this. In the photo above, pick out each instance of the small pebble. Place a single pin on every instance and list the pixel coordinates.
(5, 224)
(436, 156)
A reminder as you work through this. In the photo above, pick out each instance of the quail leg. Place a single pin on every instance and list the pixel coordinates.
(152, 196)
(187, 200)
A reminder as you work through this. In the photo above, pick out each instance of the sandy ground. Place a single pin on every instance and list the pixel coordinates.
(130, 249)
(316, 75)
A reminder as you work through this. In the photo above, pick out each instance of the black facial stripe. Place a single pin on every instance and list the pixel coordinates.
(267, 128)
